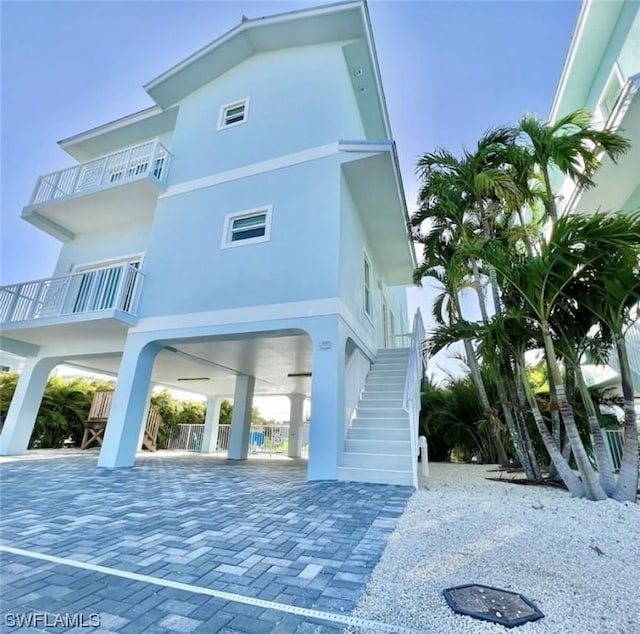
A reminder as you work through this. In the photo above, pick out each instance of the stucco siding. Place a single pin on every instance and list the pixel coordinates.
(188, 271)
(315, 105)
(353, 246)
(102, 246)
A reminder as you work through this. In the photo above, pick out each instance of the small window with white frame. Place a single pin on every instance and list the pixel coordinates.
(367, 287)
(611, 92)
(233, 114)
(247, 227)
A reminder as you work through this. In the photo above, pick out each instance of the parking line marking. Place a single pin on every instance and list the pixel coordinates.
(218, 594)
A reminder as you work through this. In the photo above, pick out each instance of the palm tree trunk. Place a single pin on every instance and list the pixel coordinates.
(627, 487)
(484, 402)
(502, 394)
(518, 408)
(556, 425)
(550, 203)
(574, 484)
(605, 466)
(592, 486)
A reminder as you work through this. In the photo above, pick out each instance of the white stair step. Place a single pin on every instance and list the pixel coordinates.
(384, 423)
(392, 352)
(378, 476)
(382, 395)
(390, 364)
(388, 370)
(379, 433)
(377, 446)
(381, 412)
(384, 386)
(376, 461)
(391, 383)
(389, 403)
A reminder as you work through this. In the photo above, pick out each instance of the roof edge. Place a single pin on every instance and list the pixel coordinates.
(570, 56)
(135, 117)
(246, 25)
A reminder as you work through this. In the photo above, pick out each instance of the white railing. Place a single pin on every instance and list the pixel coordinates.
(412, 404)
(614, 439)
(107, 288)
(355, 376)
(263, 439)
(146, 159)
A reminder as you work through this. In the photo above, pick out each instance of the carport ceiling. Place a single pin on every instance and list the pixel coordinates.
(216, 363)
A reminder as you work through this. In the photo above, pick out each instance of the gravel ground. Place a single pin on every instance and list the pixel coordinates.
(578, 561)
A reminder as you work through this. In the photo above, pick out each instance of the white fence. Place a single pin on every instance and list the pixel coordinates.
(265, 439)
(146, 159)
(114, 287)
(614, 439)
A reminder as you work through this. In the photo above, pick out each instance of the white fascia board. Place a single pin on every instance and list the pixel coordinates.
(403, 202)
(376, 67)
(247, 25)
(129, 119)
(570, 57)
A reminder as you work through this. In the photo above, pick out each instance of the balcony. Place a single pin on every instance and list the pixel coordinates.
(34, 311)
(115, 189)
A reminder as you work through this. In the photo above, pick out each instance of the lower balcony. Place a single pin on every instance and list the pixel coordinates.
(34, 312)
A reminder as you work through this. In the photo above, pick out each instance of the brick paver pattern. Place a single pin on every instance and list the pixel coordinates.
(254, 528)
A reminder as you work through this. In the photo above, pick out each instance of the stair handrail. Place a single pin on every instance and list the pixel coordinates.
(411, 402)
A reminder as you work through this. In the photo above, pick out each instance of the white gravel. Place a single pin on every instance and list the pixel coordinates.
(537, 541)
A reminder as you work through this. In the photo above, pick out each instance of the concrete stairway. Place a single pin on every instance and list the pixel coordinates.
(378, 443)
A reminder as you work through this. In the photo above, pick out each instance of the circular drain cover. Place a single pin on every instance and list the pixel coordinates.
(492, 604)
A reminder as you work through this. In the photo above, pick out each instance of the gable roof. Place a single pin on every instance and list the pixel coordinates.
(342, 22)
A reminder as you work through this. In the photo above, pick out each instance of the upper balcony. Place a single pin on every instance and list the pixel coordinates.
(43, 310)
(119, 188)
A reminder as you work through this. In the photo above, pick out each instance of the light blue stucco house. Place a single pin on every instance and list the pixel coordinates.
(602, 73)
(246, 235)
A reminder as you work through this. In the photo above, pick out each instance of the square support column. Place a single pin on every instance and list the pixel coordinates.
(327, 400)
(145, 417)
(296, 416)
(211, 425)
(25, 405)
(241, 419)
(129, 405)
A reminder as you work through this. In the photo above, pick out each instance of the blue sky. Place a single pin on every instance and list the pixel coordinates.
(450, 71)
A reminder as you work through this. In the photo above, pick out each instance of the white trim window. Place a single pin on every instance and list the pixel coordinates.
(233, 114)
(367, 279)
(247, 227)
(611, 92)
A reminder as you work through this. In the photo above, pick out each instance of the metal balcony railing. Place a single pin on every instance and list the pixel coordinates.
(147, 159)
(100, 289)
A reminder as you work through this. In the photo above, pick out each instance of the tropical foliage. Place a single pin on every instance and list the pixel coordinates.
(66, 403)
(563, 285)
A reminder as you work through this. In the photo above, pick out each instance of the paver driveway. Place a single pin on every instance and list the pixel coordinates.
(255, 528)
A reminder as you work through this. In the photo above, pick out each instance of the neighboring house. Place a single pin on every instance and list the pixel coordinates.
(602, 73)
(245, 235)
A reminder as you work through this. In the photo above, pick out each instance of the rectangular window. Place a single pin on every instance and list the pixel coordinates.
(247, 227)
(611, 93)
(5, 368)
(367, 286)
(233, 114)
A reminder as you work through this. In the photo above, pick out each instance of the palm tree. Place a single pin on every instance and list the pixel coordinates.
(571, 145)
(461, 199)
